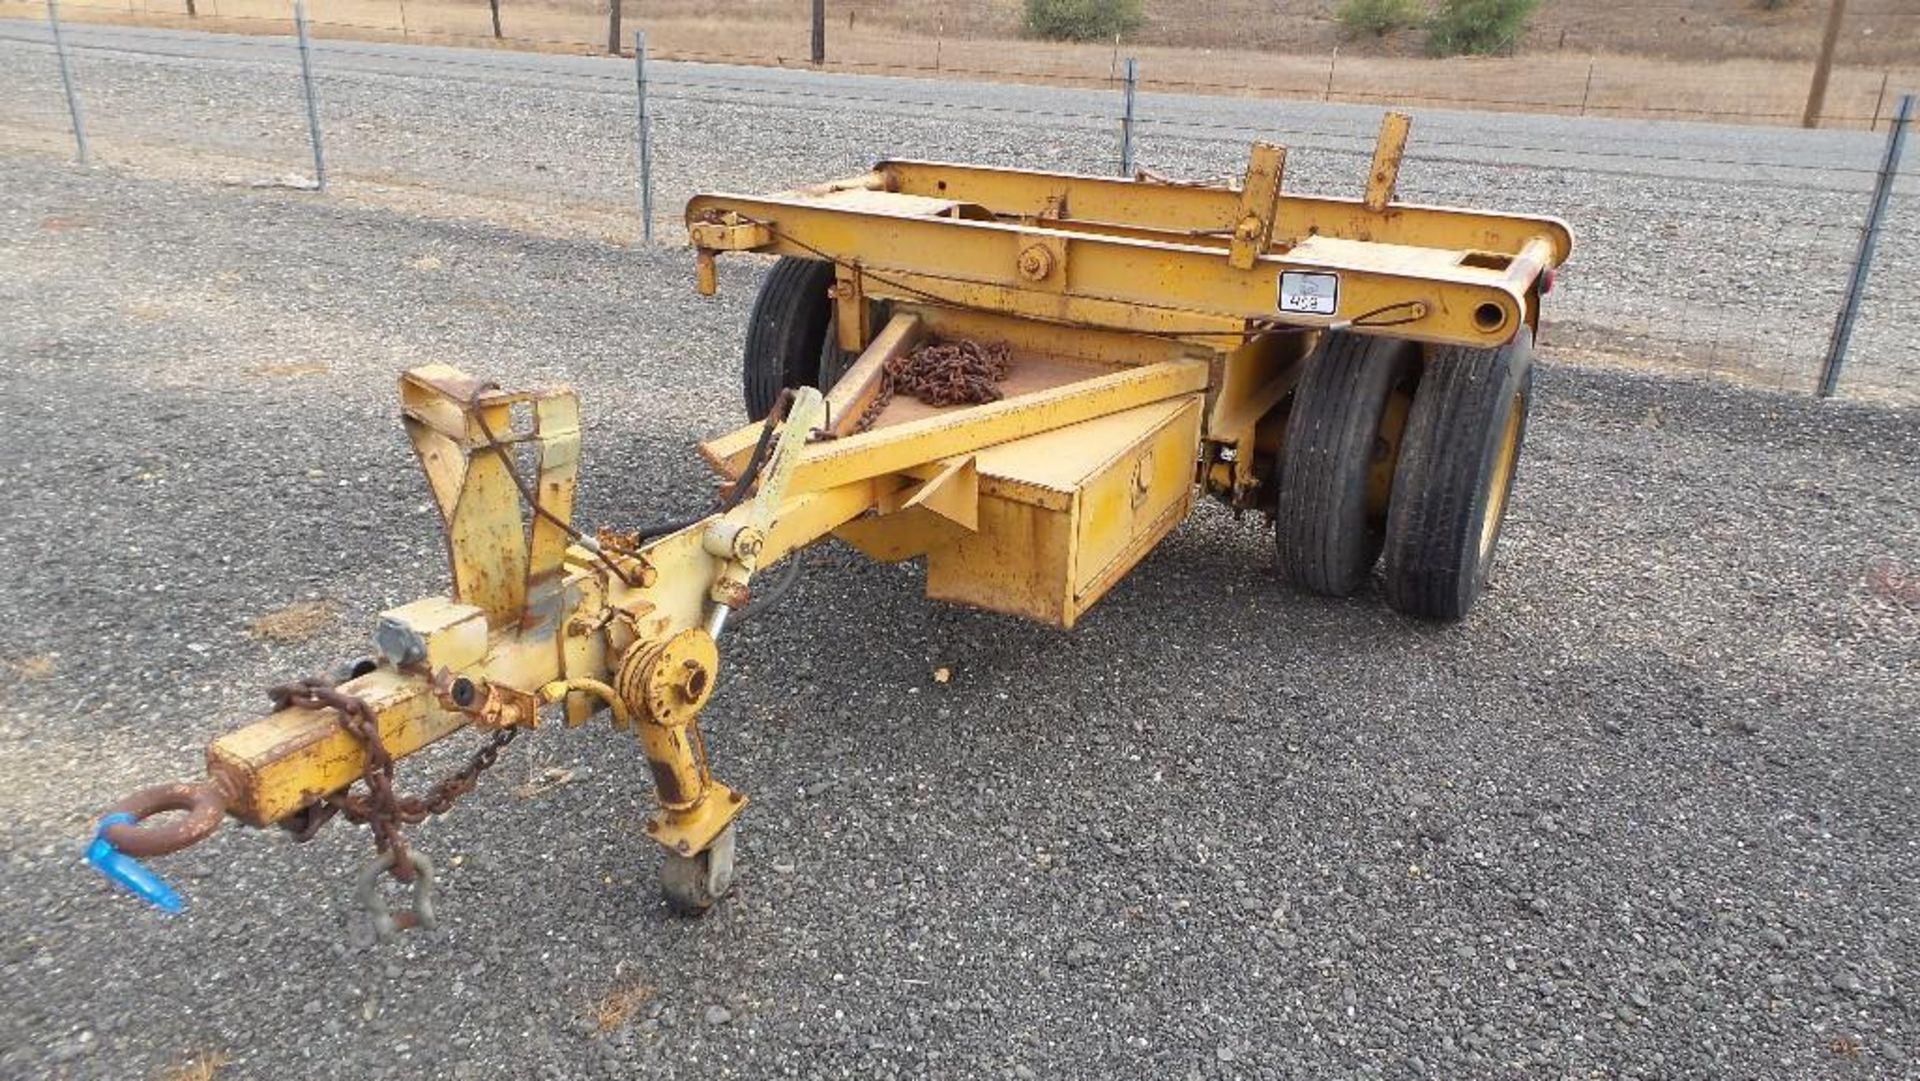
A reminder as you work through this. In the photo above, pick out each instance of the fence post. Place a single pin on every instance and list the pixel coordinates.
(495, 5)
(819, 49)
(1131, 75)
(66, 80)
(1869, 235)
(646, 155)
(613, 27)
(313, 104)
(1823, 66)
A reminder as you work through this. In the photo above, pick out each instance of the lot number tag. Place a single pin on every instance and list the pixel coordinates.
(1305, 293)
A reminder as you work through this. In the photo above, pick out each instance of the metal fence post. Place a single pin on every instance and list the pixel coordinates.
(646, 155)
(66, 80)
(1132, 75)
(1869, 236)
(313, 104)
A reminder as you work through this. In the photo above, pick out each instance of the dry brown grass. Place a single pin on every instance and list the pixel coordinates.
(33, 668)
(1709, 59)
(287, 371)
(617, 1007)
(296, 622)
(200, 1066)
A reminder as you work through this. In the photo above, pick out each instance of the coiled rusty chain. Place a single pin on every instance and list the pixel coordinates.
(380, 809)
(941, 373)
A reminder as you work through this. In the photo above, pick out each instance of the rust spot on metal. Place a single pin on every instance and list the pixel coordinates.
(205, 804)
(666, 782)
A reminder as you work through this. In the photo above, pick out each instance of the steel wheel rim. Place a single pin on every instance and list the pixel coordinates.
(1500, 479)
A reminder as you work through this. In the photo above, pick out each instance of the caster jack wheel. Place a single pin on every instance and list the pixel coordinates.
(691, 884)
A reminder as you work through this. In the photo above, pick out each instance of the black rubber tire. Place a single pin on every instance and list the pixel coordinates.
(1458, 458)
(787, 332)
(1327, 532)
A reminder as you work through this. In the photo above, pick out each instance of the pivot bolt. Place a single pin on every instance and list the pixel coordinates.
(1036, 262)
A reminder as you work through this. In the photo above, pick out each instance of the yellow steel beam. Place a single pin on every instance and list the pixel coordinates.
(915, 520)
(1259, 199)
(1194, 210)
(1133, 284)
(282, 760)
(849, 398)
(1387, 154)
(899, 447)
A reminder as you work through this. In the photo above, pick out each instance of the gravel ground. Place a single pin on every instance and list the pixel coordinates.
(1650, 812)
(1701, 246)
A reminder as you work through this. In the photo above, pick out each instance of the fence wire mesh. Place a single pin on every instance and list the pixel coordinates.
(1712, 248)
(1275, 48)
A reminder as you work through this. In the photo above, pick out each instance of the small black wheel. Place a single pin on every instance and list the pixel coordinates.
(691, 884)
(1336, 464)
(1457, 461)
(787, 334)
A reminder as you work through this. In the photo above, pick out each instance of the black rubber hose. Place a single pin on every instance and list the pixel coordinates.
(748, 476)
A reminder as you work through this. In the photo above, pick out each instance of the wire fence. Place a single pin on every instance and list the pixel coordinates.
(1722, 250)
(1215, 47)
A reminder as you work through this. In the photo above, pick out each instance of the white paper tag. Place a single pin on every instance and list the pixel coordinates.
(1308, 293)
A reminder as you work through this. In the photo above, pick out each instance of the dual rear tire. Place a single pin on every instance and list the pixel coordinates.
(1406, 459)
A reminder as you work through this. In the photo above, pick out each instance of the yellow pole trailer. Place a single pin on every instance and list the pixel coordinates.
(1023, 378)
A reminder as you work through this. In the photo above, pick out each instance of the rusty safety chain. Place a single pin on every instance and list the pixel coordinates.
(380, 809)
(941, 373)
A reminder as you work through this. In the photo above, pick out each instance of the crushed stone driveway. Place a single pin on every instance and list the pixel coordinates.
(1650, 812)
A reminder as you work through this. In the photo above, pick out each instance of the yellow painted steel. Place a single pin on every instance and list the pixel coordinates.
(1149, 256)
(1259, 201)
(1500, 478)
(921, 517)
(1182, 288)
(1149, 358)
(1089, 502)
(1149, 208)
(1388, 152)
(905, 446)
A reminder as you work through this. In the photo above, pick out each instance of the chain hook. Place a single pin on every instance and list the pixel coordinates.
(367, 892)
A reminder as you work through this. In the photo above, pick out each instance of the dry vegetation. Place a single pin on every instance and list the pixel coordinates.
(296, 622)
(1713, 59)
(615, 1008)
(201, 1066)
(36, 667)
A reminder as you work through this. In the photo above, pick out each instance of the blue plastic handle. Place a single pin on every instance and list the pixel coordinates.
(129, 873)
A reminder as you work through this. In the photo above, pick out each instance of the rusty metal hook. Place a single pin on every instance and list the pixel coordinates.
(205, 804)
